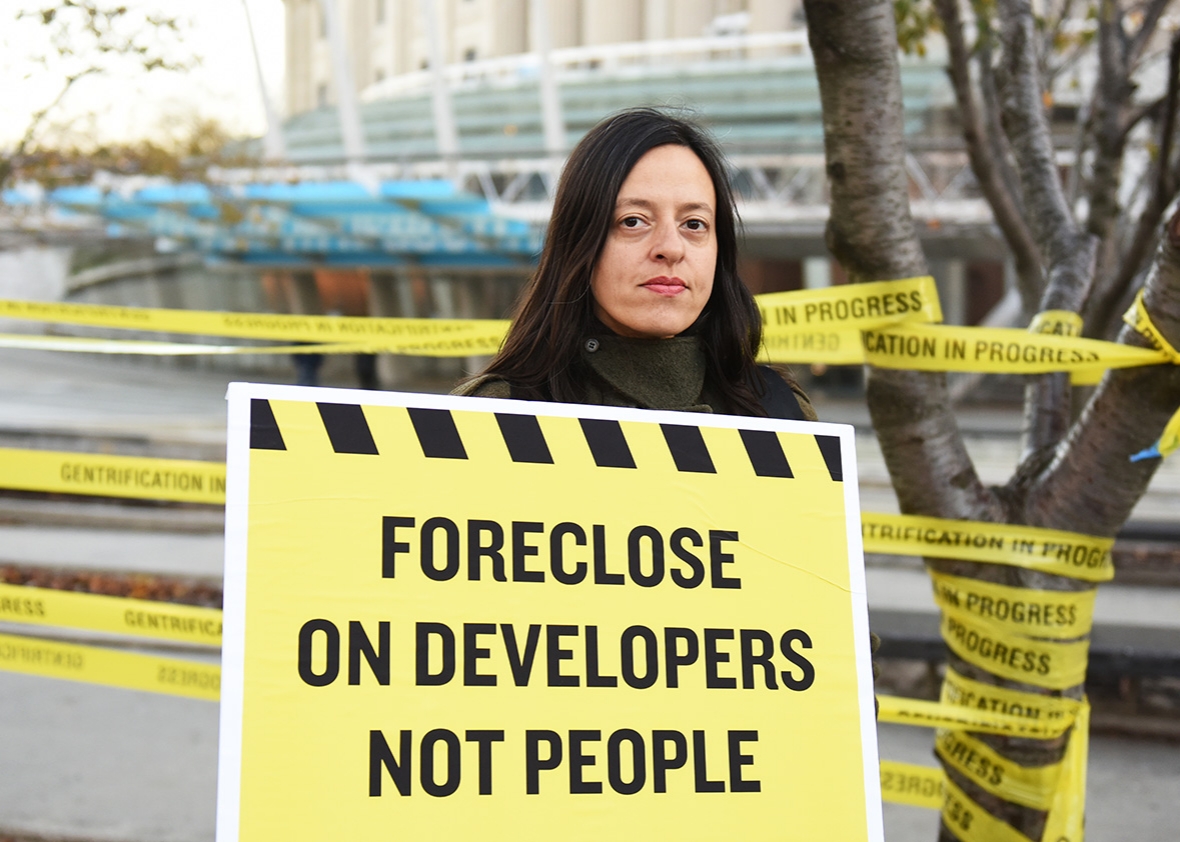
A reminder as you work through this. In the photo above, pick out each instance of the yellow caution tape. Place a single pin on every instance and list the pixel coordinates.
(1170, 438)
(1017, 611)
(1056, 712)
(95, 612)
(180, 480)
(850, 306)
(942, 715)
(88, 345)
(419, 336)
(824, 325)
(96, 665)
(1042, 663)
(1058, 788)
(830, 347)
(969, 822)
(1057, 322)
(883, 323)
(909, 783)
(982, 765)
(1138, 318)
(1063, 553)
(996, 350)
(1066, 820)
(1069, 554)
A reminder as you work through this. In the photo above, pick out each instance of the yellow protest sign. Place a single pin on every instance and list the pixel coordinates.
(468, 618)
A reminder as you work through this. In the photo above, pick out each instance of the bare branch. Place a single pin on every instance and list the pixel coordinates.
(1091, 485)
(1112, 287)
(1004, 207)
(1137, 114)
(1068, 252)
(1111, 92)
(997, 140)
(1151, 18)
(1028, 130)
(39, 116)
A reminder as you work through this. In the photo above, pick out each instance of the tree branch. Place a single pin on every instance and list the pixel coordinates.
(1102, 309)
(997, 140)
(39, 116)
(1004, 206)
(1151, 18)
(872, 233)
(1111, 92)
(1091, 485)
(1068, 252)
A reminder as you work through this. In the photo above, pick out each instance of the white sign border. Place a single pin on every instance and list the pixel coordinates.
(237, 498)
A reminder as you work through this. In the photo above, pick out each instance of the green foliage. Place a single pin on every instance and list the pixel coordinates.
(916, 19)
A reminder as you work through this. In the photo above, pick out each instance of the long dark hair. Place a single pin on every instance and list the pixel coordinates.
(540, 357)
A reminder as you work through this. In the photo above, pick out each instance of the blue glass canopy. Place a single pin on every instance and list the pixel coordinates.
(392, 223)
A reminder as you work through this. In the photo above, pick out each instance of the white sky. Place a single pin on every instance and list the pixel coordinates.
(129, 103)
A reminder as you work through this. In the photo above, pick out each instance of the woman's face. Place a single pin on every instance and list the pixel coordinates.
(655, 273)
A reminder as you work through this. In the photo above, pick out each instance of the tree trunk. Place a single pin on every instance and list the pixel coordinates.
(1076, 479)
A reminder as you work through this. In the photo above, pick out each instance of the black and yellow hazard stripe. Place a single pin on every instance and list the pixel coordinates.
(606, 441)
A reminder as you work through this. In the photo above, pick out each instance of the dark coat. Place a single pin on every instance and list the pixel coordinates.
(641, 373)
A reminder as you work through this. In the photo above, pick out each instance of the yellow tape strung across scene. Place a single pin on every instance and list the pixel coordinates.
(851, 306)
(1138, 318)
(428, 337)
(1043, 663)
(996, 350)
(96, 665)
(1067, 816)
(180, 480)
(829, 347)
(970, 705)
(1169, 441)
(960, 691)
(1057, 322)
(117, 615)
(942, 715)
(824, 325)
(971, 823)
(1017, 611)
(1047, 550)
(88, 345)
(979, 763)
(883, 323)
(1069, 554)
(909, 783)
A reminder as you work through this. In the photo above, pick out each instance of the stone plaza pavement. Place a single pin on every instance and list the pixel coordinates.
(95, 763)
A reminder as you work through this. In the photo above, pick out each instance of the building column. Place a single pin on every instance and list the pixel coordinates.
(817, 272)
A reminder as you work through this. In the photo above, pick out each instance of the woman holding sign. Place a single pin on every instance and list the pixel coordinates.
(636, 301)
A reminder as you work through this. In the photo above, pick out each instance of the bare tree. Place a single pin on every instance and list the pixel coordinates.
(1074, 474)
(86, 38)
